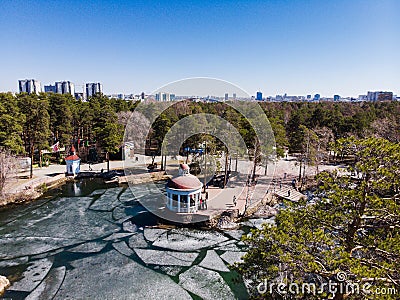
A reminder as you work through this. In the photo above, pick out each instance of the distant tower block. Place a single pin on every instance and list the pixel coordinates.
(30, 86)
(93, 88)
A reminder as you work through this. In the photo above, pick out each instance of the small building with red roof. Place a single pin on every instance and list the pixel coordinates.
(184, 191)
(73, 162)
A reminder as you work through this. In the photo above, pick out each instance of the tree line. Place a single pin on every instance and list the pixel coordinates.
(31, 122)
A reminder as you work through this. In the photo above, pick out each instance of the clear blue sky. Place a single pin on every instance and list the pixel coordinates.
(294, 47)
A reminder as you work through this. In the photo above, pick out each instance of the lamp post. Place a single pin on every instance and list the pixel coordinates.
(205, 165)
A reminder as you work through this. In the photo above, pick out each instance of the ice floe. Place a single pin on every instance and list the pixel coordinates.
(214, 262)
(129, 226)
(49, 286)
(232, 257)
(137, 241)
(89, 247)
(188, 239)
(172, 258)
(114, 276)
(33, 275)
(205, 283)
(151, 234)
(118, 235)
(123, 248)
(108, 200)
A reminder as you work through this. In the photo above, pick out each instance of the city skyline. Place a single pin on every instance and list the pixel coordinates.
(276, 47)
(191, 87)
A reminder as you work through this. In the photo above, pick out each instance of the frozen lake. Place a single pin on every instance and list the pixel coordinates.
(91, 241)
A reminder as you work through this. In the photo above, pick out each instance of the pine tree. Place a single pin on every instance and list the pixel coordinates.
(353, 229)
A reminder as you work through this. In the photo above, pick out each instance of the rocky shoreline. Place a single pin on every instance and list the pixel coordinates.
(4, 284)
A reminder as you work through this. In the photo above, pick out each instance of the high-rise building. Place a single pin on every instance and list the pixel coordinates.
(317, 97)
(259, 96)
(29, 86)
(234, 96)
(49, 88)
(65, 87)
(336, 97)
(165, 97)
(226, 96)
(379, 96)
(61, 87)
(93, 88)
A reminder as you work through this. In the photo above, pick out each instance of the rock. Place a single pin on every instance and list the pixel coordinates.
(4, 284)
(225, 222)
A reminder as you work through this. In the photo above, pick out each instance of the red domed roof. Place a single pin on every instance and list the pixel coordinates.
(186, 182)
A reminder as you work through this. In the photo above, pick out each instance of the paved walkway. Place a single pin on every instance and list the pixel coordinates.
(288, 193)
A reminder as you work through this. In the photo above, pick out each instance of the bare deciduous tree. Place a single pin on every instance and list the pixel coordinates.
(8, 168)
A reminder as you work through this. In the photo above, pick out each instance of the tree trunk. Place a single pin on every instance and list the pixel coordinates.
(40, 159)
(236, 161)
(266, 166)
(31, 171)
(300, 170)
(108, 161)
(226, 169)
(254, 170)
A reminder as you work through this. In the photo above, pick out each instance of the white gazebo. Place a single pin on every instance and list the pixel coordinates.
(184, 191)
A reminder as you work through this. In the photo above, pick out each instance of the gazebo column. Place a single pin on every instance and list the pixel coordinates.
(170, 200)
(188, 203)
(179, 203)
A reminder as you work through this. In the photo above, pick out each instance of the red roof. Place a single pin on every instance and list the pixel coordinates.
(72, 157)
(188, 182)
